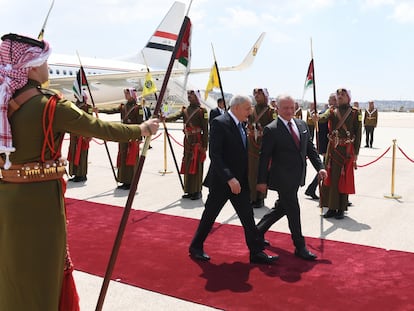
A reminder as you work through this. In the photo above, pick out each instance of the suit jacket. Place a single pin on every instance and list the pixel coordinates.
(228, 156)
(287, 163)
(214, 113)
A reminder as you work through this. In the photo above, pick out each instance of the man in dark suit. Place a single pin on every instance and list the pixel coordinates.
(286, 144)
(219, 110)
(227, 180)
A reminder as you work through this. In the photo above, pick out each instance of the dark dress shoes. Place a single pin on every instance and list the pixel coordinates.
(198, 254)
(312, 195)
(263, 258)
(258, 204)
(78, 179)
(124, 186)
(349, 203)
(330, 213)
(266, 242)
(196, 196)
(339, 215)
(304, 253)
(187, 196)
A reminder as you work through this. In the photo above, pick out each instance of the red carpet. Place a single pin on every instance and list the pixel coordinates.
(153, 255)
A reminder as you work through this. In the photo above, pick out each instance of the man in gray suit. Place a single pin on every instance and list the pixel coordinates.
(286, 144)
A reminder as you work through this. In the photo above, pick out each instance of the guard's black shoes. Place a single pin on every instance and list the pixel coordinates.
(330, 213)
(339, 215)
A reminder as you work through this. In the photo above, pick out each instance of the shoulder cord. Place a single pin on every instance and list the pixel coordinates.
(47, 124)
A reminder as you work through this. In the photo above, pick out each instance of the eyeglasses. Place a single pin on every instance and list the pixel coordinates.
(255, 91)
(23, 39)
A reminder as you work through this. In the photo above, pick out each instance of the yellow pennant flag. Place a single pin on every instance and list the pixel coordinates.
(213, 81)
(149, 85)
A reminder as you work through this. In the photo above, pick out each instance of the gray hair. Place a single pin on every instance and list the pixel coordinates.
(239, 99)
(284, 97)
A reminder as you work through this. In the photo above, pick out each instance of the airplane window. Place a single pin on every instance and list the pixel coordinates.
(71, 73)
(64, 72)
(50, 71)
(57, 71)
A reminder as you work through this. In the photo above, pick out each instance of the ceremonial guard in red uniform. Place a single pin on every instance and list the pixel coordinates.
(79, 147)
(195, 144)
(344, 123)
(35, 267)
(131, 113)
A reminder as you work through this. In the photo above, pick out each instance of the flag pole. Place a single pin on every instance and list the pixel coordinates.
(137, 173)
(42, 31)
(219, 78)
(314, 97)
(166, 132)
(97, 116)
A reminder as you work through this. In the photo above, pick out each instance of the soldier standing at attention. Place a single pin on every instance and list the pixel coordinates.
(78, 147)
(131, 113)
(309, 119)
(298, 111)
(34, 262)
(262, 115)
(195, 144)
(344, 124)
(370, 122)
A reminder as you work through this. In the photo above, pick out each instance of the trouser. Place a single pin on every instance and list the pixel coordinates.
(288, 205)
(369, 135)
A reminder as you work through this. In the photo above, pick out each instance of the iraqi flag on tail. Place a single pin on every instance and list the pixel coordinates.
(79, 84)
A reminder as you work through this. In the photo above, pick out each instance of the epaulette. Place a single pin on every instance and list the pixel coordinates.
(50, 92)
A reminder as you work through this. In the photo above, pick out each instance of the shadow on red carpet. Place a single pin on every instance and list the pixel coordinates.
(154, 256)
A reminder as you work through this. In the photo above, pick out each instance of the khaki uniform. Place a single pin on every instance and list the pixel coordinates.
(195, 145)
(32, 215)
(128, 153)
(310, 122)
(298, 113)
(370, 123)
(262, 115)
(344, 144)
(78, 149)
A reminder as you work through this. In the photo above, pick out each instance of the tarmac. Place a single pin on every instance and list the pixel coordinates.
(380, 215)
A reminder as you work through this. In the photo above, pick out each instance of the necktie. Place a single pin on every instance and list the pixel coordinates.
(242, 133)
(294, 135)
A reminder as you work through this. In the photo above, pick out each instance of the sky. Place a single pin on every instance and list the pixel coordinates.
(365, 46)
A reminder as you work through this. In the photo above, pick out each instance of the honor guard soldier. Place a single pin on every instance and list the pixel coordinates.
(35, 268)
(370, 123)
(345, 123)
(79, 146)
(262, 115)
(195, 144)
(131, 113)
(298, 111)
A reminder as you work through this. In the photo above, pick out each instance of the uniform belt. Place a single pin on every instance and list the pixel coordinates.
(340, 141)
(192, 131)
(34, 172)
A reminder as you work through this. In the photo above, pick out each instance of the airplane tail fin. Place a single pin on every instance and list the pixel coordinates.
(248, 60)
(157, 52)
